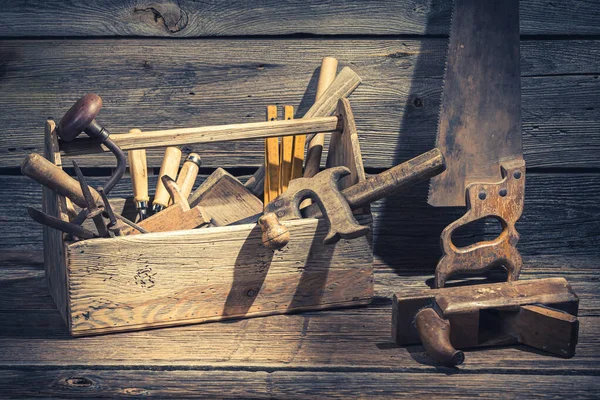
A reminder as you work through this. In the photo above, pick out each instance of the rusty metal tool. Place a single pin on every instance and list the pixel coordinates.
(337, 205)
(541, 313)
(92, 210)
(38, 168)
(479, 133)
(114, 225)
(138, 169)
(81, 117)
(57, 223)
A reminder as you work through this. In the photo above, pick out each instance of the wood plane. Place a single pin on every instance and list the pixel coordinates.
(541, 313)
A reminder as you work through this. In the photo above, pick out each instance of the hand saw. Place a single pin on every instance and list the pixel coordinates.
(479, 134)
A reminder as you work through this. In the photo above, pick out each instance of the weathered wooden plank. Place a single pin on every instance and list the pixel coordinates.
(90, 382)
(560, 218)
(152, 84)
(191, 19)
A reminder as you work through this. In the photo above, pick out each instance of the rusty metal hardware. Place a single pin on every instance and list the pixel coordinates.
(57, 223)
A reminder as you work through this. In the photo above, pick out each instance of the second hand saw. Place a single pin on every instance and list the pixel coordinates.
(479, 134)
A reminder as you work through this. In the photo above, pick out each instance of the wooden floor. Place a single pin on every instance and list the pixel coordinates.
(162, 64)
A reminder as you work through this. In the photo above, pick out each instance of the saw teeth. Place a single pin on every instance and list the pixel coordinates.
(439, 115)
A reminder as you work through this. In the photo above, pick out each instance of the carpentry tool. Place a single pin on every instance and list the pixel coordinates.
(286, 152)
(114, 225)
(225, 199)
(326, 103)
(272, 160)
(57, 223)
(169, 167)
(188, 174)
(55, 178)
(315, 144)
(336, 205)
(479, 134)
(91, 207)
(541, 313)
(138, 169)
(81, 118)
(178, 216)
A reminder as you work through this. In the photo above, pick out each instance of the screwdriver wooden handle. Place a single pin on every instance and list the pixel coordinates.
(38, 168)
(138, 170)
(315, 147)
(188, 174)
(169, 167)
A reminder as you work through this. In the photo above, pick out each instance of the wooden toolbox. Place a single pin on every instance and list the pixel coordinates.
(154, 280)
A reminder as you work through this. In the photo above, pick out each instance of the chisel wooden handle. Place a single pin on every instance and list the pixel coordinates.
(138, 170)
(53, 177)
(169, 167)
(188, 174)
(315, 147)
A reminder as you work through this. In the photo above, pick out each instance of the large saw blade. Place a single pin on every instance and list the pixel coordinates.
(480, 114)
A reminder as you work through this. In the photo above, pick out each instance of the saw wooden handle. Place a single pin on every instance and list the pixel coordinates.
(315, 147)
(138, 170)
(502, 200)
(169, 167)
(38, 168)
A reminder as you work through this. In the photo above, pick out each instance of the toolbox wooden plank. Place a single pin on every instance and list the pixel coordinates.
(259, 383)
(207, 82)
(201, 275)
(188, 18)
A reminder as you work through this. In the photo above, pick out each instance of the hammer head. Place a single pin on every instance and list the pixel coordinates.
(323, 190)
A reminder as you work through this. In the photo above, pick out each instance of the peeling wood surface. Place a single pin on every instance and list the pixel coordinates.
(212, 82)
(187, 18)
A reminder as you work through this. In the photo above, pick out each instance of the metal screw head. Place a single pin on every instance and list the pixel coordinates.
(482, 195)
(503, 192)
(517, 174)
(250, 293)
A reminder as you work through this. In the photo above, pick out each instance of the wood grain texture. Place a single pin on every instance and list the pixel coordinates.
(560, 221)
(188, 18)
(192, 276)
(354, 340)
(210, 82)
(258, 383)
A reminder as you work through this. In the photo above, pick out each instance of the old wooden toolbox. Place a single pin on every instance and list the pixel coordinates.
(182, 277)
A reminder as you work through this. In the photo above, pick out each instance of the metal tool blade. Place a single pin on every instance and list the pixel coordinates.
(480, 114)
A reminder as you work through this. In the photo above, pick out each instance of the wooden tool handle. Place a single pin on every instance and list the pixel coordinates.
(434, 332)
(286, 153)
(271, 160)
(79, 116)
(315, 147)
(139, 173)
(188, 174)
(53, 177)
(274, 235)
(169, 167)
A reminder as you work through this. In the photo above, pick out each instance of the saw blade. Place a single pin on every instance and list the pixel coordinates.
(480, 114)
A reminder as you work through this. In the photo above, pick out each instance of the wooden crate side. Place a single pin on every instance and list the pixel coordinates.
(54, 246)
(183, 277)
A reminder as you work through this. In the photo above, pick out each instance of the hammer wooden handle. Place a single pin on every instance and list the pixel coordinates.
(169, 167)
(53, 177)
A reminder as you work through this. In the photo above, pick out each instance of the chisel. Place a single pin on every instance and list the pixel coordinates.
(169, 167)
(188, 174)
(138, 169)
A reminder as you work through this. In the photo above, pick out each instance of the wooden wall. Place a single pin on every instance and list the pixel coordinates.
(162, 64)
